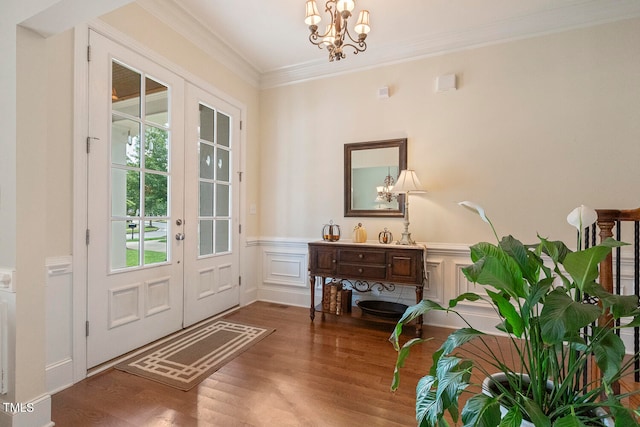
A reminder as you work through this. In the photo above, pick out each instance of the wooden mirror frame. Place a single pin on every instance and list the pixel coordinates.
(349, 211)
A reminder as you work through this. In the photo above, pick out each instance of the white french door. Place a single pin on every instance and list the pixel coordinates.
(211, 205)
(162, 251)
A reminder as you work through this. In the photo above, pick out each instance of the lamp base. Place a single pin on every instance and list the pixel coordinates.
(406, 239)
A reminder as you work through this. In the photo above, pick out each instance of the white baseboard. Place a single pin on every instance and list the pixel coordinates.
(36, 413)
(59, 375)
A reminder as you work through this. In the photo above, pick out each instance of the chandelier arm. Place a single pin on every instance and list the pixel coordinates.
(360, 41)
(361, 47)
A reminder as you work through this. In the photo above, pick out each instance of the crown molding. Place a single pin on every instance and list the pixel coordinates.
(559, 19)
(556, 20)
(190, 28)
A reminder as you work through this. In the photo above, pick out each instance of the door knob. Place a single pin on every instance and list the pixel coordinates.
(180, 236)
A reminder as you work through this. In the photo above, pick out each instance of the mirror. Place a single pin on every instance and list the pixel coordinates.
(368, 169)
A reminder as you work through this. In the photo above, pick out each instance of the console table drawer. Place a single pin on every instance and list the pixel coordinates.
(359, 271)
(362, 256)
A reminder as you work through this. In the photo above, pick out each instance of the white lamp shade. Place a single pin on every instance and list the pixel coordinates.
(343, 5)
(408, 182)
(362, 26)
(330, 35)
(312, 16)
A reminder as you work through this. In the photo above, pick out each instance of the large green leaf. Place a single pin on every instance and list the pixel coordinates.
(570, 420)
(483, 249)
(458, 338)
(619, 305)
(583, 265)
(623, 416)
(556, 250)
(453, 375)
(528, 261)
(428, 408)
(535, 413)
(537, 293)
(467, 296)
(608, 350)
(562, 316)
(403, 353)
(481, 411)
(410, 314)
(513, 418)
(513, 321)
(500, 272)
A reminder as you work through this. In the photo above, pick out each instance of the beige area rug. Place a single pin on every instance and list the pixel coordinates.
(184, 361)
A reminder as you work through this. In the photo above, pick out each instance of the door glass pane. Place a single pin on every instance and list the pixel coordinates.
(140, 180)
(155, 242)
(125, 90)
(222, 236)
(206, 123)
(206, 199)
(206, 161)
(125, 244)
(157, 102)
(125, 142)
(125, 192)
(156, 191)
(215, 182)
(156, 149)
(206, 237)
(224, 130)
(222, 200)
(222, 165)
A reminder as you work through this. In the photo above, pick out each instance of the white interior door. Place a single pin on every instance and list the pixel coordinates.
(163, 202)
(135, 201)
(211, 206)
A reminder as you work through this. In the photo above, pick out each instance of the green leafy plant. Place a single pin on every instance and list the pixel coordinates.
(537, 292)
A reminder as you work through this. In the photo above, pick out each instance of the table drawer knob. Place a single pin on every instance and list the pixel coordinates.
(360, 256)
(360, 270)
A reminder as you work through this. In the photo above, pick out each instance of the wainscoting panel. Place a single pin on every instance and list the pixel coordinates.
(434, 287)
(285, 268)
(59, 323)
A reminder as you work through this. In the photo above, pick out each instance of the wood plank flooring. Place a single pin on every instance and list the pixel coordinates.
(331, 372)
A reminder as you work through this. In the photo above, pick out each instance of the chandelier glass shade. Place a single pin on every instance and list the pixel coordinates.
(336, 36)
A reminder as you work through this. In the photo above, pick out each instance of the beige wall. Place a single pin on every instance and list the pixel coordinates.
(31, 155)
(535, 128)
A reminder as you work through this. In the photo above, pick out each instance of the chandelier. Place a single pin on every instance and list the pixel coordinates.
(385, 192)
(336, 36)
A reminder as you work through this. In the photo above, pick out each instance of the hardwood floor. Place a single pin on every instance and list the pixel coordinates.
(335, 372)
(332, 372)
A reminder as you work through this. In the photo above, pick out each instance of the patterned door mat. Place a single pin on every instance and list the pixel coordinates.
(185, 360)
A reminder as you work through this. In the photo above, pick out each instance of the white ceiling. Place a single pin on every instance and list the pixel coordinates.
(269, 39)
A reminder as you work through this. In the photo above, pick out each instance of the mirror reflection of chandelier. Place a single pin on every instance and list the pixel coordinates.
(385, 193)
(336, 36)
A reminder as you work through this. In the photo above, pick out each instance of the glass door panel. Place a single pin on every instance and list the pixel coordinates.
(156, 102)
(215, 185)
(140, 184)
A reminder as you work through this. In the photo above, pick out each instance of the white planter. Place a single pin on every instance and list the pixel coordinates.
(501, 377)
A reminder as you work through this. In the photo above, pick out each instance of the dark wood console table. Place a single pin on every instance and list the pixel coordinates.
(366, 265)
